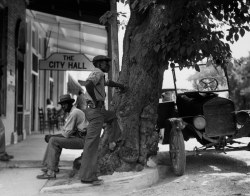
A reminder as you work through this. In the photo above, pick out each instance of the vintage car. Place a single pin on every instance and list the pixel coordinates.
(200, 108)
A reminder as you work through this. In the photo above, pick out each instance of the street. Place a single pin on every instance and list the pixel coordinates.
(210, 174)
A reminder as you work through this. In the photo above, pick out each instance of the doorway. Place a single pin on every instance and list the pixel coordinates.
(19, 77)
(33, 103)
(19, 99)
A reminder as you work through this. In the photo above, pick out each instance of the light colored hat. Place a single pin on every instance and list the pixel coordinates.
(66, 98)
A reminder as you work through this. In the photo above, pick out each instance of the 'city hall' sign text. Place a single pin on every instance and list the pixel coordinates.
(66, 62)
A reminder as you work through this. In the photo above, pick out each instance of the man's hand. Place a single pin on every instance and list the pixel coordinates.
(92, 104)
(112, 146)
(122, 89)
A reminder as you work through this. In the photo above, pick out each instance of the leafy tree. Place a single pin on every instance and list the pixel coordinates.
(239, 78)
(159, 34)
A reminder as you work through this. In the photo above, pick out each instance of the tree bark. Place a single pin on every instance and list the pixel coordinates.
(136, 110)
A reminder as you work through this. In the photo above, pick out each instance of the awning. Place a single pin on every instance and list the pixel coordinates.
(65, 35)
(73, 85)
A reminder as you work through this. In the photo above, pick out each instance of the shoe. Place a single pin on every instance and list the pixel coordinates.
(96, 182)
(4, 158)
(47, 176)
(10, 156)
(45, 170)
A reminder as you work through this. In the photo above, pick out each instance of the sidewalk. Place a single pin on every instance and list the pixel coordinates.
(27, 163)
(18, 177)
(29, 153)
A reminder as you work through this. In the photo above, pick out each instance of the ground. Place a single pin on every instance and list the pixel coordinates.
(209, 174)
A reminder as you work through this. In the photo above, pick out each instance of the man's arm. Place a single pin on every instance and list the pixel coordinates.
(90, 89)
(68, 128)
(111, 83)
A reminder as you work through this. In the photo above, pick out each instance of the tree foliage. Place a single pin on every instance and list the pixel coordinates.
(239, 78)
(191, 30)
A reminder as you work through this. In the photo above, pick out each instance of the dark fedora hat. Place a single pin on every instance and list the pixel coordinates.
(101, 58)
(66, 99)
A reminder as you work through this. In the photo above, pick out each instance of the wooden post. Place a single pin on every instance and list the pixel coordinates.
(113, 49)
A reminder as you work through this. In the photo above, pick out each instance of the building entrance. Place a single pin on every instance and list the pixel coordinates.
(19, 78)
(19, 99)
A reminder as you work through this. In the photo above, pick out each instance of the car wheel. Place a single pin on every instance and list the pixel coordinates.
(177, 152)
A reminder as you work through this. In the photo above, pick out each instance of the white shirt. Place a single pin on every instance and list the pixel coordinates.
(76, 121)
(97, 76)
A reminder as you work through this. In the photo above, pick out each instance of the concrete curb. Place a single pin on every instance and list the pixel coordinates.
(116, 184)
(30, 164)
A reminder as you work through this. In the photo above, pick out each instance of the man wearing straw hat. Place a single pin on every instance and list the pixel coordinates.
(97, 115)
(72, 137)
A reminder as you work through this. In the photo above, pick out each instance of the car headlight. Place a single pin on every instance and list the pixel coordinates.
(199, 122)
(242, 117)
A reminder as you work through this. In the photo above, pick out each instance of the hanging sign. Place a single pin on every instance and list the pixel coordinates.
(66, 62)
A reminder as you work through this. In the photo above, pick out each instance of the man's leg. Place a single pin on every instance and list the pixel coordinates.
(2, 141)
(113, 127)
(53, 152)
(88, 170)
(3, 155)
(55, 146)
(47, 138)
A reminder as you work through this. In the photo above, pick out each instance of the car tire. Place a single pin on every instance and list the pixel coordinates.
(177, 152)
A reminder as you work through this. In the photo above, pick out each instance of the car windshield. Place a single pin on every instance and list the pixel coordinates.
(209, 79)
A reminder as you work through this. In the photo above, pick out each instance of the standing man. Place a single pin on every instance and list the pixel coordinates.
(72, 137)
(96, 115)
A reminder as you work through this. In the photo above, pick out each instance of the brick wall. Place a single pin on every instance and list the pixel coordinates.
(16, 13)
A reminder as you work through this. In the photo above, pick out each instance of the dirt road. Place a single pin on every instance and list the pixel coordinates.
(210, 174)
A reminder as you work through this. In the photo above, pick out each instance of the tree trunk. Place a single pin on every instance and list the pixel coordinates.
(137, 108)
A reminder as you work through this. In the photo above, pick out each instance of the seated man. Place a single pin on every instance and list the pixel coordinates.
(72, 137)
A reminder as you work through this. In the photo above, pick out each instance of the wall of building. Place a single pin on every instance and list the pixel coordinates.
(35, 83)
(16, 12)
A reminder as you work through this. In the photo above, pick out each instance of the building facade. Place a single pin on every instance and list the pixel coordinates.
(12, 58)
(28, 35)
(24, 88)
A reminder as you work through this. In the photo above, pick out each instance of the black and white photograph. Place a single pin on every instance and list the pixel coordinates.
(124, 97)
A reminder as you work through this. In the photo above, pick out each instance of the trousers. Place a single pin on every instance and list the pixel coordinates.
(88, 169)
(96, 118)
(2, 138)
(112, 126)
(54, 149)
